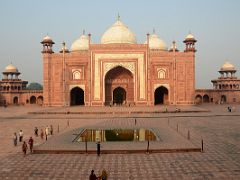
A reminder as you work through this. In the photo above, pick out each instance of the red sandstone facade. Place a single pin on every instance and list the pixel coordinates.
(118, 71)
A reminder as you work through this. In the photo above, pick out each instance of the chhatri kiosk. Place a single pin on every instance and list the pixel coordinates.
(119, 70)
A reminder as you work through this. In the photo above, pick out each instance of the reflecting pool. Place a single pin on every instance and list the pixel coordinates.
(106, 135)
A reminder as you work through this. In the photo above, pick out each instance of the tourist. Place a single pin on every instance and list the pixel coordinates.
(92, 176)
(30, 142)
(20, 136)
(104, 175)
(24, 148)
(46, 132)
(42, 134)
(98, 148)
(36, 131)
(51, 129)
(15, 139)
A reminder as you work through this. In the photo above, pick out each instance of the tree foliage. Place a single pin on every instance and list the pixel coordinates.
(34, 86)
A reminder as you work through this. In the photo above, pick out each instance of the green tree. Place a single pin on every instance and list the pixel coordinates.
(34, 86)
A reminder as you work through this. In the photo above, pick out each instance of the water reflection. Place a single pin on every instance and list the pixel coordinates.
(104, 135)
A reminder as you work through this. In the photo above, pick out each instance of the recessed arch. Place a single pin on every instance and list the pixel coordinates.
(40, 100)
(161, 95)
(206, 98)
(77, 96)
(223, 99)
(15, 100)
(198, 99)
(33, 100)
(119, 96)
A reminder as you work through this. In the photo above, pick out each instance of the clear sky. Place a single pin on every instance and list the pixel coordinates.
(214, 23)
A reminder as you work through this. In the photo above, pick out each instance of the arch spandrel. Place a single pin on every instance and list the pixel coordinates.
(163, 85)
(127, 65)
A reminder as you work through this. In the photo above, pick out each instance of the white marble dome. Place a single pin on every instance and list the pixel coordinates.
(227, 67)
(81, 43)
(10, 69)
(156, 43)
(118, 33)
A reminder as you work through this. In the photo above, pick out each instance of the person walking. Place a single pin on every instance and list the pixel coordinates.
(36, 131)
(24, 148)
(92, 176)
(98, 148)
(42, 134)
(15, 139)
(20, 136)
(104, 175)
(51, 129)
(30, 142)
(46, 132)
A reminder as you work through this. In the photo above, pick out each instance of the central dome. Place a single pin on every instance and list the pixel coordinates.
(118, 33)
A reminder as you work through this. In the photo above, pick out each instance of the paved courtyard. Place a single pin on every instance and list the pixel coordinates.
(219, 129)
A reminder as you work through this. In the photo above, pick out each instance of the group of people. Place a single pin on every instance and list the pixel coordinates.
(230, 108)
(29, 144)
(46, 132)
(24, 143)
(102, 176)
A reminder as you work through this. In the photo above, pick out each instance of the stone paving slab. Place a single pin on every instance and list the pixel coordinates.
(220, 160)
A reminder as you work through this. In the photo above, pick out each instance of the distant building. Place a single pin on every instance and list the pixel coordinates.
(226, 89)
(13, 90)
(119, 71)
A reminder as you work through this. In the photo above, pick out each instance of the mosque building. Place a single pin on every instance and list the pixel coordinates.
(119, 71)
(14, 90)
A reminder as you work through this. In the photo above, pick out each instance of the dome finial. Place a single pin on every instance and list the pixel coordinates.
(153, 30)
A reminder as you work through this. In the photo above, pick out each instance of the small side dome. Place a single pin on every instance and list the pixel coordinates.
(47, 39)
(156, 43)
(81, 44)
(227, 67)
(118, 33)
(190, 38)
(10, 69)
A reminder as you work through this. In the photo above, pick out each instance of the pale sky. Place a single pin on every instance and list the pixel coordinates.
(214, 23)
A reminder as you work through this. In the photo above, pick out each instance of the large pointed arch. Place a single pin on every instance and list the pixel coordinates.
(119, 77)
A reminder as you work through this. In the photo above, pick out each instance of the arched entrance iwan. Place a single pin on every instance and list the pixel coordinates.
(119, 86)
(161, 95)
(77, 96)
